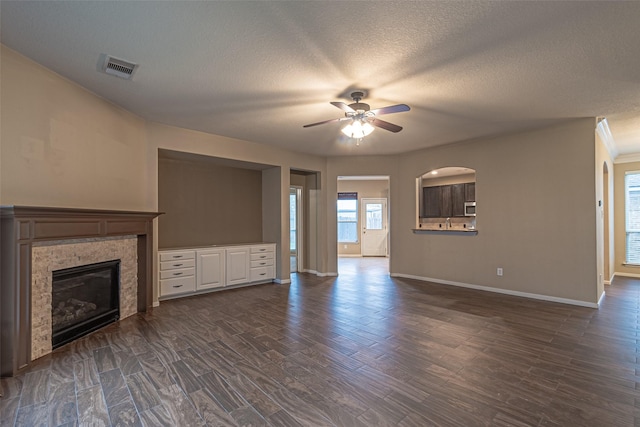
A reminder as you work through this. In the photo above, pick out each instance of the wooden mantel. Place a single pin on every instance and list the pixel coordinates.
(20, 228)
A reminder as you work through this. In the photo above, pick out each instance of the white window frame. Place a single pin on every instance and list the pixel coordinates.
(629, 227)
(355, 221)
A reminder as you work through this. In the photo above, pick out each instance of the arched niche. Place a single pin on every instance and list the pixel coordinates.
(446, 199)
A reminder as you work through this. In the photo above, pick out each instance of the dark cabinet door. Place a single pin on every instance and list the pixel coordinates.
(431, 199)
(457, 199)
(470, 192)
(445, 205)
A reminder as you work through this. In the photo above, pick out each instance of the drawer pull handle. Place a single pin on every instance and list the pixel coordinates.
(177, 274)
(263, 263)
(178, 286)
(263, 274)
(262, 250)
(177, 265)
(177, 256)
(263, 257)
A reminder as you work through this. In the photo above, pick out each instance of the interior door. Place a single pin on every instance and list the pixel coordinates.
(374, 227)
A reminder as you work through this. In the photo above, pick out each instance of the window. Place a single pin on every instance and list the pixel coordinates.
(293, 219)
(347, 217)
(374, 216)
(632, 214)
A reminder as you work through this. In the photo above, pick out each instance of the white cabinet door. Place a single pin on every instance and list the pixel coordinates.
(211, 268)
(238, 264)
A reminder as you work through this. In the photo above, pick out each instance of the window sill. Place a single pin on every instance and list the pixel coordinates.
(626, 264)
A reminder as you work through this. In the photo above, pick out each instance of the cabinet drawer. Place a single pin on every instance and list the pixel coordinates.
(172, 265)
(261, 263)
(263, 255)
(180, 272)
(261, 248)
(177, 286)
(177, 255)
(262, 273)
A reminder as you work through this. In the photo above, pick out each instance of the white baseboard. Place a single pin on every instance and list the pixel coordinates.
(500, 291)
(282, 281)
(601, 298)
(320, 274)
(349, 256)
(156, 304)
(617, 273)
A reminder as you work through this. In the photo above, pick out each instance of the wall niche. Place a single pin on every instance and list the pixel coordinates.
(208, 200)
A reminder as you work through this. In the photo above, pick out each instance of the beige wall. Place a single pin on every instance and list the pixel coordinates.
(275, 214)
(619, 220)
(206, 204)
(449, 180)
(378, 189)
(63, 146)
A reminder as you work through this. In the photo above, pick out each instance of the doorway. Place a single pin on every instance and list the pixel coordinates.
(374, 227)
(295, 228)
(363, 223)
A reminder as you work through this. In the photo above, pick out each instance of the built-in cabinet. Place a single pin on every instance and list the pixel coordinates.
(177, 272)
(447, 200)
(238, 265)
(187, 271)
(211, 268)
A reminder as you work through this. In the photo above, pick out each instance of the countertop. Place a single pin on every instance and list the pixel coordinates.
(451, 231)
(186, 248)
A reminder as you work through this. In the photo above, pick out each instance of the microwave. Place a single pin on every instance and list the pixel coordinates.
(470, 209)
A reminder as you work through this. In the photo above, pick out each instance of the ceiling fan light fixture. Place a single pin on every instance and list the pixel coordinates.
(357, 129)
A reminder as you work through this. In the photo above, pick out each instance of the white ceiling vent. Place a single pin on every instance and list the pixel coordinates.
(118, 67)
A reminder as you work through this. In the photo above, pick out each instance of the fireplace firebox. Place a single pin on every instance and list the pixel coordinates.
(84, 298)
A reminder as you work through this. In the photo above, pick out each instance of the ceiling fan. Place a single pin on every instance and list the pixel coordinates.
(362, 119)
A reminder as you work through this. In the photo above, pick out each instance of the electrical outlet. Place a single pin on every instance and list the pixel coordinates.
(499, 271)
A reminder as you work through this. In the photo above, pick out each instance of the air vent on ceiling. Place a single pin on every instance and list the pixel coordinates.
(118, 67)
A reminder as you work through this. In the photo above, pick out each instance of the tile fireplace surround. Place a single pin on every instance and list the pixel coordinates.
(37, 240)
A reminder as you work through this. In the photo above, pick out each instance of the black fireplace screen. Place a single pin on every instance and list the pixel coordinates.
(84, 299)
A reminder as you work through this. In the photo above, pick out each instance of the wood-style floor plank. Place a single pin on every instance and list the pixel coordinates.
(362, 349)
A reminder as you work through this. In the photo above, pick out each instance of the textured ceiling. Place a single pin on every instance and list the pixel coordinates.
(258, 71)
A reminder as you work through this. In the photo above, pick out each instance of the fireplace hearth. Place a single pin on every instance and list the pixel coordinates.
(83, 299)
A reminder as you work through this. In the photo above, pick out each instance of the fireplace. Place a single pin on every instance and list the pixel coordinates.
(83, 299)
(35, 241)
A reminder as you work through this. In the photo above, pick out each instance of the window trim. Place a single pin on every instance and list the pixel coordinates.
(626, 220)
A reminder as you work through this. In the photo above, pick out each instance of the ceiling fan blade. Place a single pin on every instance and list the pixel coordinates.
(327, 121)
(386, 125)
(391, 109)
(344, 107)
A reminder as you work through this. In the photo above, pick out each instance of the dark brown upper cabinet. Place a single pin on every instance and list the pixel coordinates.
(432, 197)
(445, 191)
(457, 199)
(470, 192)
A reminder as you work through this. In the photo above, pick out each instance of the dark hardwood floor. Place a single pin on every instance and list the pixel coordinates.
(361, 349)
